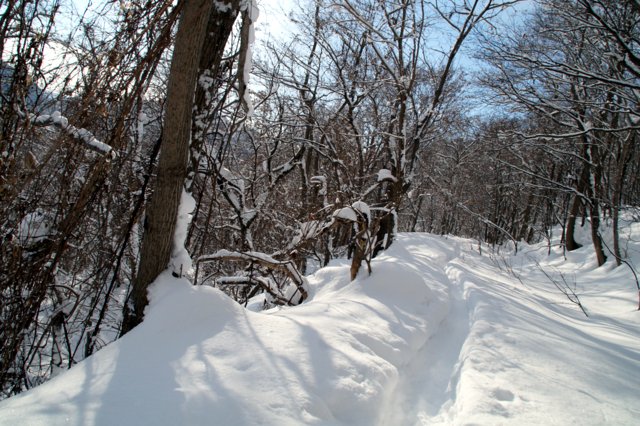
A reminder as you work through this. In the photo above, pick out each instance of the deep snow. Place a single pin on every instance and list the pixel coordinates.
(438, 334)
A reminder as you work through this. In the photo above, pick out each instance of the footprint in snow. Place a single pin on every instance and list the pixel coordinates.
(503, 395)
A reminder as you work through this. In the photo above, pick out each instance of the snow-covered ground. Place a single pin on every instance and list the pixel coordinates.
(439, 334)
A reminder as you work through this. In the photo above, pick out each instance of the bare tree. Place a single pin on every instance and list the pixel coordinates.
(74, 155)
(574, 74)
(162, 211)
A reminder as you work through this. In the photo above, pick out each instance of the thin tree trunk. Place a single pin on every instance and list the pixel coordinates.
(592, 155)
(570, 242)
(594, 213)
(623, 160)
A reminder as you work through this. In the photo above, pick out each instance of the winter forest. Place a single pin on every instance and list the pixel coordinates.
(141, 135)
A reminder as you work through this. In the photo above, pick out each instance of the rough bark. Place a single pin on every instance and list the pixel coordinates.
(570, 241)
(212, 67)
(163, 207)
(594, 213)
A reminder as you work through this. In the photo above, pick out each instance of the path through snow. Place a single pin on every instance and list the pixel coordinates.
(513, 350)
(439, 334)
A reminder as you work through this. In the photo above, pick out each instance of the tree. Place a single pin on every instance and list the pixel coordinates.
(162, 211)
(78, 136)
(574, 75)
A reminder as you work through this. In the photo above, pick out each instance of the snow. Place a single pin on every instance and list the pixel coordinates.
(222, 6)
(232, 178)
(322, 181)
(346, 213)
(83, 135)
(362, 208)
(386, 175)
(181, 263)
(307, 230)
(299, 283)
(351, 214)
(438, 334)
(253, 12)
(143, 120)
(35, 227)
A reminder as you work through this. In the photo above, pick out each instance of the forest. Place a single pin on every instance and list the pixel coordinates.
(144, 135)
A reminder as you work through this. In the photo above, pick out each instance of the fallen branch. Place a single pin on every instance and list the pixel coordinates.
(565, 289)
(258, 282)
(287, 267)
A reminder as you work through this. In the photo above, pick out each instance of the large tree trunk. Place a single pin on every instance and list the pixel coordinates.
(162, 210)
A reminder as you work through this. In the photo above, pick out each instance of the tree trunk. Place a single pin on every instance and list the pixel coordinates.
(570, 242)
(161, 214)
(624, 159)
(211, 67)
(569, 239)
(592, 155)
(594, 213)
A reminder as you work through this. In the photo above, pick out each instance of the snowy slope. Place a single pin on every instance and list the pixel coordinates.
(439, 334)
(515, 350)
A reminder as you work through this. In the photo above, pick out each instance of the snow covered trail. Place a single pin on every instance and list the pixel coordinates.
(532, 357)
(438, 334)
(427, 383)
(514, 350)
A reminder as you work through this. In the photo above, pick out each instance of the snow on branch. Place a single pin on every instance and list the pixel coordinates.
(250, 14)
(346, 214)
(306, 232)
(354, 213)
(385, 175)
(82, 135)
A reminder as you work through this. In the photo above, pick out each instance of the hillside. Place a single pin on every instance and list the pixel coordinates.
(438, 334)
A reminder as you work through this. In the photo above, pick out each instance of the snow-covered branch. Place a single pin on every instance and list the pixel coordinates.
(286, 267)
(80, 134)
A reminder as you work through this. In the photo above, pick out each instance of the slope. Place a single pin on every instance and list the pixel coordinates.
(439, 334)
(515, 350)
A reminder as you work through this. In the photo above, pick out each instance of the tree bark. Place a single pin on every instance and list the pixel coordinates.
(569, 239)
(161, 214)
(576, 204)
(624, 159)
(594, 213)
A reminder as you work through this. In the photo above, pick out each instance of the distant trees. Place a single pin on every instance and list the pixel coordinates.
(361, 91)
(573, 74)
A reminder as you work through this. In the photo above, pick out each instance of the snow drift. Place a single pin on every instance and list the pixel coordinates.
(439, 334)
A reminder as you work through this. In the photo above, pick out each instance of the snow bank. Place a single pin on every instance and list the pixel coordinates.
(515, 350)
(200, 358)
(438, 334)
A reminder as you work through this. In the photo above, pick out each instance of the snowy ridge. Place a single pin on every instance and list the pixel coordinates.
(438, 334)
(199, 356)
